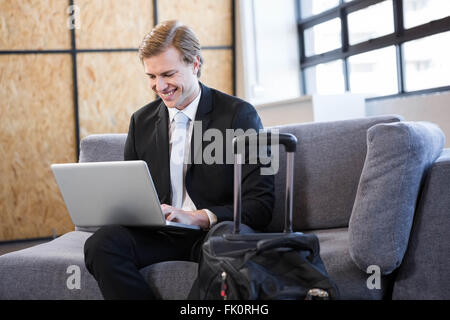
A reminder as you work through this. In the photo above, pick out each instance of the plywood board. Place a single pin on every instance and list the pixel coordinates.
(111, 87)
(34, 24)
(211, 20)
(113, 23)
(36, 129)
(217, 70)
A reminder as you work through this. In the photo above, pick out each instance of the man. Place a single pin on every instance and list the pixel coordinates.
(191, 191)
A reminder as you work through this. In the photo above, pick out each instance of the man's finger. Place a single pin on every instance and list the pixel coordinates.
(166, 209)
(171, 216)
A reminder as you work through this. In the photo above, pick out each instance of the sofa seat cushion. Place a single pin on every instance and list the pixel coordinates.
(44, 271)
(47, 271)
(171, 280)
(174, 279)
(350, 280)
(398, 157)
(41, 272)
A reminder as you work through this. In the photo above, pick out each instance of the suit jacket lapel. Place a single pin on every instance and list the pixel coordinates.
(162, 152)
(202, 120)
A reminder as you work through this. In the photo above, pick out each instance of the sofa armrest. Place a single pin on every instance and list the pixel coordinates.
(425, 272)
(102, 147)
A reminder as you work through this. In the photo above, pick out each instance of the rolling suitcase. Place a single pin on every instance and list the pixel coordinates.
(262, 266)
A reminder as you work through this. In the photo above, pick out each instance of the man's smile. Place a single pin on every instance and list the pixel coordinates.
(167, 94)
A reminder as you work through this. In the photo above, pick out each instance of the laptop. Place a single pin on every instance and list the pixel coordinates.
(111, 193)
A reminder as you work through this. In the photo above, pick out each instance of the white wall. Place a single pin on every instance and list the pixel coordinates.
(267, 63)
(312, 108)
(432, 107)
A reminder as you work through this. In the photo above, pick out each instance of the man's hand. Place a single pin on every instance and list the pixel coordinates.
(197, 217)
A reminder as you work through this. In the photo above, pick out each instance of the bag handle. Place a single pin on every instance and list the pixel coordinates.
(289, 141)
(305, 242)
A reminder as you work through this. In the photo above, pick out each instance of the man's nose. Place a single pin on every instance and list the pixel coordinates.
(161, 84)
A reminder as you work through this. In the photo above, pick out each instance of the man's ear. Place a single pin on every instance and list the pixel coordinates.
(196, 64)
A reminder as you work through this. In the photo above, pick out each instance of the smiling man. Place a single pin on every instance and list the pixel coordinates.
(161, 133)
(172, 79)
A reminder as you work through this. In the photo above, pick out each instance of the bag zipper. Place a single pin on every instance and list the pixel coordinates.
(223, 287)
(225, 277)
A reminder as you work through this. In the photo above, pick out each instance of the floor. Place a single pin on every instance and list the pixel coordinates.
(6, 247)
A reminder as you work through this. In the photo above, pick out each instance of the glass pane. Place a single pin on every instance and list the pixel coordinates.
(311, 7)
(426, 62)
(372, 22)
(323, 37)
(374, 72)
(418, 12)
(325, 78)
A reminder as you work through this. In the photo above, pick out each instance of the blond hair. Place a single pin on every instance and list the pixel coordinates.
(172, 33)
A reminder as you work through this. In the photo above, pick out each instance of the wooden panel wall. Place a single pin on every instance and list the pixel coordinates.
(113, 23)
(212, 22)
(37, 129)
(217, 70)
(111, 84)
(111, 87)
(33, 24)
(55, 91)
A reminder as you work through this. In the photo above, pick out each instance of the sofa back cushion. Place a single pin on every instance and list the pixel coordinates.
(398, 156)
(102, 147)
(328, 164)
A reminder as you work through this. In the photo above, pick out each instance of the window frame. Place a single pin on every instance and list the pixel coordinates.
(397, 38)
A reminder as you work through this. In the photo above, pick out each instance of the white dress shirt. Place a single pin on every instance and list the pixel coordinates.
(190, 112)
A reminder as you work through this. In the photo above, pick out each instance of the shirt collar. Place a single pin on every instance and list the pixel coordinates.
(189, 111)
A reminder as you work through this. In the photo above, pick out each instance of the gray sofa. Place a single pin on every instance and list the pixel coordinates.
(375, 190)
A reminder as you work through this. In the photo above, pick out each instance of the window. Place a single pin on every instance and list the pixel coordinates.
(323, 37)
(417, 12)
(375, 47)
(366, 24)
(325, 78)
(374, 72)
(313, 7)
(426, 62)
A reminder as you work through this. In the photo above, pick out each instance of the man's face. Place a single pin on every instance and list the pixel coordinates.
(172, 79)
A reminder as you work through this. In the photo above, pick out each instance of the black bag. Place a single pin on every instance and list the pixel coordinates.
(263, 266)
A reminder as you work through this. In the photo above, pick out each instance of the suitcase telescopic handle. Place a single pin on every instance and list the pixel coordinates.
(289, 142)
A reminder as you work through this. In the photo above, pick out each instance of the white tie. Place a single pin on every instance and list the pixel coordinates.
(177, 158)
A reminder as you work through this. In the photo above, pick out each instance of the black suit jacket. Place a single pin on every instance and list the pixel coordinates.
(210, 186)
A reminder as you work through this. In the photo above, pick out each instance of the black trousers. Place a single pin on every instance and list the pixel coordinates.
(114, 255)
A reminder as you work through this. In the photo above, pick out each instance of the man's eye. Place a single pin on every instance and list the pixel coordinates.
(151, 76)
